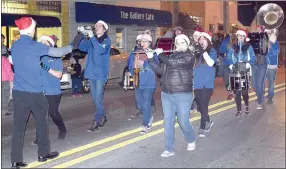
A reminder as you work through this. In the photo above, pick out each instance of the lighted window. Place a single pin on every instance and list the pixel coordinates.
(120, 38)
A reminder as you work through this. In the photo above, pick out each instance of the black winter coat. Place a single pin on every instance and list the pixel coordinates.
(176, 72)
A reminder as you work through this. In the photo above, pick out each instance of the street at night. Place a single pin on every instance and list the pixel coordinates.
(255, 140)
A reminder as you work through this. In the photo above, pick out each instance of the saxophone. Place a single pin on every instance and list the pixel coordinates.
(136, 71)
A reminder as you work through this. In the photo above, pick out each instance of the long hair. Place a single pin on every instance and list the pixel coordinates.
(199, 57)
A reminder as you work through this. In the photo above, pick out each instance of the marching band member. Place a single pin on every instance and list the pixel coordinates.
(272, 63)
(192, 47)
(130, 64)
(241, 52)
(259, 69)
(51, 75)
(147, 83)
(177, 91)
(204, 78)
(97, 68)
(28, 90)
(178, 31)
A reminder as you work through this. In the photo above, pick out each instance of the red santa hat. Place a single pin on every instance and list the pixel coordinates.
(198, 31)
(26, 25)
(207, 35)
(48, 38)
(103, 23)
(243, 33)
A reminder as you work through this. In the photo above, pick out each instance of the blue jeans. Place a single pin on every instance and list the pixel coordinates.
(177, 103)
(271, 76)
(144, 101)
(258, 80)
(97, 93)
(76, 85)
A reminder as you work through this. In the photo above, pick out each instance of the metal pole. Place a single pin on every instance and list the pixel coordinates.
(225, 17)
(175, 13)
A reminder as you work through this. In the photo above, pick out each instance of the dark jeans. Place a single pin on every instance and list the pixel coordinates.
(258, 81)
(203, 98)
(245, 97)
(5, 96)
(76, 85)
(271, 76)
(97, 93)
(144, 99)
(54, 102)
(226, 72)
(24, 102)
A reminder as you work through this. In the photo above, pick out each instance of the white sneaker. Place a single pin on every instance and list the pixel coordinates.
(167, 154)
(259, 107)
(191, 146)
(143, 130)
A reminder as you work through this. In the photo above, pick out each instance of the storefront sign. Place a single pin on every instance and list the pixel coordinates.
(91, 13)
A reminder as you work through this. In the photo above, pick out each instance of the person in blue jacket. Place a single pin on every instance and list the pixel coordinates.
(130, 64)
(97, 68)
(272, 63)
(241, 51)
(51, 74)
(28, 90)
(204, 78)
(223, 50)
(147, 82)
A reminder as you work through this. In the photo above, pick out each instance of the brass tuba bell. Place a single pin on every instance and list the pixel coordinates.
(270, 15)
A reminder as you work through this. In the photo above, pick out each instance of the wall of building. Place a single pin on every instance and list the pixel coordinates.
(213, 14)
(130, 31)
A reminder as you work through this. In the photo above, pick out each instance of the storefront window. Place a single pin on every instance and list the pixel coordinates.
(198, 20)
(17, 7)
(120, 38)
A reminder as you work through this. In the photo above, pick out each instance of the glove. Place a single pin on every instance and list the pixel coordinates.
(45, 67)
(80, 29)
(248, 66)
(273, 38)
(150, 54)
(158, 51)
(89, 33)
(231, 66)
(191, 48)
(199, 49)
(127, 73)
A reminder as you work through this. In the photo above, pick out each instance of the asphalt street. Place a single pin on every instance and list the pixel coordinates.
(256, 140)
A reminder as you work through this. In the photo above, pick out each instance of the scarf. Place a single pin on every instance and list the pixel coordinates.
(101, 39)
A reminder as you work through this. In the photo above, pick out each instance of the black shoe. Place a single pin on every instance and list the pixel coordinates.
(62, 135)
(246, 110)
(35, 142)
(8, 114)
(94, 127)
(49, 156)
(238, 114)
(103, 121)
(19, 164)
(270, 101)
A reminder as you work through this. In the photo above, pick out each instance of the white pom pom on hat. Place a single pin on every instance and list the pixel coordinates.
(26, 25)
(197, 32)
(184, 37)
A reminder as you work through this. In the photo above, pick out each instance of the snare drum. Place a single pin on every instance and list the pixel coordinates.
(239, 81)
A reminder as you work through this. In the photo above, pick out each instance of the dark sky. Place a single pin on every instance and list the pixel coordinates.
(246, 13)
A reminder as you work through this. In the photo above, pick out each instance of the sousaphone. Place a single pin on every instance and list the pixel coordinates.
(270, 15)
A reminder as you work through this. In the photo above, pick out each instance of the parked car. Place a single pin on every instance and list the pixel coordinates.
(117, 68)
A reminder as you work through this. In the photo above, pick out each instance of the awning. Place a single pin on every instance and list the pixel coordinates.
(186, 22)
(42, 21)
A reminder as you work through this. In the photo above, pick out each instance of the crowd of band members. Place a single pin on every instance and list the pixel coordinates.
(186, 75)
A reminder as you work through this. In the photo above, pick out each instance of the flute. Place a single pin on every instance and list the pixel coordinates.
(143, 52)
